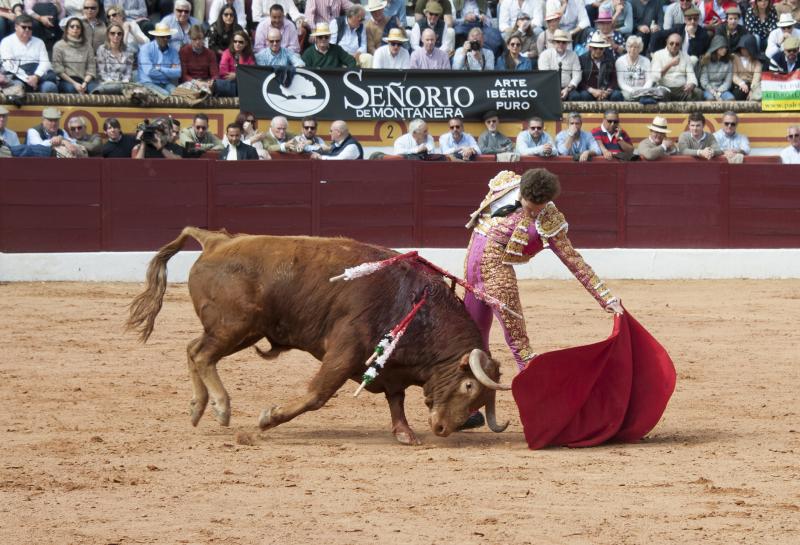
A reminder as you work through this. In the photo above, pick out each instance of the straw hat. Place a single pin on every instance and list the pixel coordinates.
(792, 42)
(691, 12)
(396, 35)
(786, 19)
(597, 40)
(375, 5)
(561, 36)
(322, 29)
(51, 113)
(162, 30)
(659, 124)
(433, 7)
(553, 15)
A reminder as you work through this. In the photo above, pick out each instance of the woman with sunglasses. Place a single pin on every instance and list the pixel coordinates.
(239, 52)
(74, 60)
(220, 33)
(134, 33)
(114, 62)
(512, 59)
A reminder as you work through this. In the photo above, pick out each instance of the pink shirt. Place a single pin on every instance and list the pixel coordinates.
(227, 64)
(289, 38)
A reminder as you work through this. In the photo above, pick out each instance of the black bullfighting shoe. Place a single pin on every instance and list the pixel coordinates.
(475, 420)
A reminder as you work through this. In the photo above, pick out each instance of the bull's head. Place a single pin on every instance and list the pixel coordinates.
(452, 398)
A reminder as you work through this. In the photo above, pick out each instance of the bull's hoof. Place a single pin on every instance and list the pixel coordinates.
(196, 410)
(222, 412)
(407, 438)
(265, 420)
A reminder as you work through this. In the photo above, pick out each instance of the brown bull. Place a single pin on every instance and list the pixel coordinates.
(245, 288)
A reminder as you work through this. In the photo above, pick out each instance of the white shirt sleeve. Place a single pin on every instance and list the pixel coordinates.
(350, 151)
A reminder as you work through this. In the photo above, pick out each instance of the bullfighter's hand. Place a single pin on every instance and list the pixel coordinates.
(615, 306)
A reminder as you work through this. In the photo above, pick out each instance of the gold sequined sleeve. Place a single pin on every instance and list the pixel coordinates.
(562, 247)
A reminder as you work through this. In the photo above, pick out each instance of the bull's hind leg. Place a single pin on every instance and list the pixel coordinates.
(335, 370)
(197, 405)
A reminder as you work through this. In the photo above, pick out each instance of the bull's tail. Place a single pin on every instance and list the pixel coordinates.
(146, 306)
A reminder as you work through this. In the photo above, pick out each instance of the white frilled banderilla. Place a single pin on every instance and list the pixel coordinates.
(389, 341)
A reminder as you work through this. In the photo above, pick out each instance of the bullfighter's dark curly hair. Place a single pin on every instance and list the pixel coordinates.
(539, 186)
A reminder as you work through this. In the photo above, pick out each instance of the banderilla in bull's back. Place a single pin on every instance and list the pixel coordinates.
(249, 287)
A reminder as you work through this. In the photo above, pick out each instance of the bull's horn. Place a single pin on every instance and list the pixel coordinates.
(491, 420)
(476, 359)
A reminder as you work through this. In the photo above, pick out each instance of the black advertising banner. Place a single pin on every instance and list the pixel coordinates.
(392, 94)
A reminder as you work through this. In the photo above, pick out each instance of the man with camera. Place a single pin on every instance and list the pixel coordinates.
(155, 141)
(473, 56)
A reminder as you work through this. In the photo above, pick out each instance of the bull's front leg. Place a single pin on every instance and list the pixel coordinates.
(400, 428)
(334, 372)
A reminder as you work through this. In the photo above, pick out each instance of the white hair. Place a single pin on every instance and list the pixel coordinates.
(416, 125)
(634, 41)
(183, 4)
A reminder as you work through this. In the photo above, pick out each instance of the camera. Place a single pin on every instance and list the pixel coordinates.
(148, 131)
(474, 46)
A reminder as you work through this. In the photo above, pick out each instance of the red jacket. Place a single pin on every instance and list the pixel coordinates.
(198, 66)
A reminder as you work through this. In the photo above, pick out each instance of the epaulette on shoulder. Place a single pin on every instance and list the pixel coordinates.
(550, 221)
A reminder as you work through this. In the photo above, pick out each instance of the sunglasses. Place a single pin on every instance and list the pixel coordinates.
(271, 41)
(394, 44)
(228, 14)
(113, 14)
(74, 26)
(182, 10)
(729, 123)
(793, 136)
(76, 128)
(614, 121)
(250, 120)
(536, 128)
(307, 128)
(238, 41)
(514, 44)
(455, 127)
(673, 43)
(491, 121)
(115, 33)
(90, 8)
(25, 27)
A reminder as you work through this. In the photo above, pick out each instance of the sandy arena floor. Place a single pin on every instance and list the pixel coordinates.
(97, 447)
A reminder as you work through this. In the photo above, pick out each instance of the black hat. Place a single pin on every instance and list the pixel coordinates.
(490, 114)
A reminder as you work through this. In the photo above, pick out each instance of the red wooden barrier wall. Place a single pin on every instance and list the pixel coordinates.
(51, 205)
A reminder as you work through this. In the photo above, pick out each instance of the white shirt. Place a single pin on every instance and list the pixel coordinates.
(261, 10)
(775, 41)
(574, 14)
(382, 58)
(32, 138)
(14, 53)
(484, 62)
(509, 9)
(447, 145)
(350, 151)
(406, 144)
(216, 8)
(570, 65)
(231, 154)
(350, 37)
(790, 156)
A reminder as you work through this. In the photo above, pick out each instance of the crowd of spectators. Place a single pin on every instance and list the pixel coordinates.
(606, 50)
(164, 138)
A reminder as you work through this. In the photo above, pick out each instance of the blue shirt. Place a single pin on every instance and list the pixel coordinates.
(735, 142)
(526, 145)
(524, 65)
(9, 137)
(584, 142)
(181, 37)
(447, 145)
(285, 57)
(155, 66)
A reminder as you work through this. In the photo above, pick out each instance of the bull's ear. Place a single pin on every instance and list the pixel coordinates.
(464, 363)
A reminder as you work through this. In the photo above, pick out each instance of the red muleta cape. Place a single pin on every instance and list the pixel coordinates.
(615, 390)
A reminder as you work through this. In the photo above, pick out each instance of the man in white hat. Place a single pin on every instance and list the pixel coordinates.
(8, 136)
(559, 56)
(393, 54)
(657, 145)
(785, 62)
(378, 25)
(324, 54)
(785, 29)
(180, 22)
(598, 74)
(159, 62)
(445, 35)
